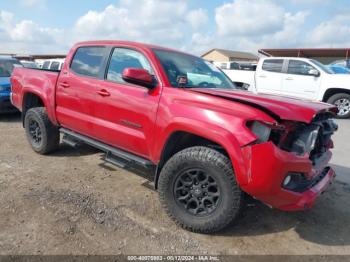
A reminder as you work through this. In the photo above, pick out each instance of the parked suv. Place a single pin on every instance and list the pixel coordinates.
(208, 143)
(298, 77)
(7, 65)
(342, 62)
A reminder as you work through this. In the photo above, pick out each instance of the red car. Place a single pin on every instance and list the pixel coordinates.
(209, 143)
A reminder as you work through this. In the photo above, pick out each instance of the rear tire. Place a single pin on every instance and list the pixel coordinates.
(198, 190)
(42, 135)
(342, 102)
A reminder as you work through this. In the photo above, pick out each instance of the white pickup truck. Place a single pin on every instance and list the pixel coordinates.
(298, 77)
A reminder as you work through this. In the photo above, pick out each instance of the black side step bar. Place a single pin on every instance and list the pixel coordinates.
(111, 152)
(110, 158)
(69, 140)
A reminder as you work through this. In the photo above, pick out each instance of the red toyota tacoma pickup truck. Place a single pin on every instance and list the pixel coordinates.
(209, 143)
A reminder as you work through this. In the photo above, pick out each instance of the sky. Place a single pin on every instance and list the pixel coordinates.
(52, 26)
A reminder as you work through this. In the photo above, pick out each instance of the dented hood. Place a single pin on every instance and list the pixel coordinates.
(280, 107)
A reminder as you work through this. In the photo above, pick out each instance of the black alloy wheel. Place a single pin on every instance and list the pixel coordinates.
(197, 192)
(42, 135)
(35, 132)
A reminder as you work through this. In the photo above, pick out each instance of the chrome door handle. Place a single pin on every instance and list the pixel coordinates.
(262, 76)
(289, 78)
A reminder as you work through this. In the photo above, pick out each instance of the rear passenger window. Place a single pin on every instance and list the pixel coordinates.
(234, 66)
(88, 61)
(125, 58)
(273, 65)
(55, 66)
(46, 65)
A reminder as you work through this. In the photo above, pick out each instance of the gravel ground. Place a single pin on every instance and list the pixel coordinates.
(72, 203)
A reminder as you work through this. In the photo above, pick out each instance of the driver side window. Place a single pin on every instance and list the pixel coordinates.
(297, 67)
(125, 58)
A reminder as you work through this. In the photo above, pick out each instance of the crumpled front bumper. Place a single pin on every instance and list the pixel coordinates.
(267, 166)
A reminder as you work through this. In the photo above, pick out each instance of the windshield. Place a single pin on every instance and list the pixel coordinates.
(7, 66)
(189, 71)
(322, 67)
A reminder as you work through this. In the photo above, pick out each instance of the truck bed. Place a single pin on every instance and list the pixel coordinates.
(242, 76)
(37, 81)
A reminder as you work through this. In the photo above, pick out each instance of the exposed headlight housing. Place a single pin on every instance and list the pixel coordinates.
(305, 141)
(261, 130)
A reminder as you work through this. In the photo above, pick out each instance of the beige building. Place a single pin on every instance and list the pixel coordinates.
(222, 55)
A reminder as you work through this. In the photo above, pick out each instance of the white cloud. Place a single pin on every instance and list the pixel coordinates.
(238, 24)
(33, 3)
(332, 33)
(5, 23)
(155, 21)
(27, 36)
(149, 21)
(197, 18)
(311, 2)
(291, 35)
(201, 43)
(167, 23)
(249, 18)
(28, 31)
(243, 25)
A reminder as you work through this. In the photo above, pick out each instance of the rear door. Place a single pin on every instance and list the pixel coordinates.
(299, 82)
(268, 78)
(127, 112)
(77, 87)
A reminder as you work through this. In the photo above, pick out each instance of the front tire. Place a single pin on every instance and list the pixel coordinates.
(198, 190)
(41, 134)
(342, 102)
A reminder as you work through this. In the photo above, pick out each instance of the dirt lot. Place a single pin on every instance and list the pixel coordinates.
(69, 203)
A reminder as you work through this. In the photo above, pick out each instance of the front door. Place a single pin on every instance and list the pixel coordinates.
(299, 82)
(127, 112)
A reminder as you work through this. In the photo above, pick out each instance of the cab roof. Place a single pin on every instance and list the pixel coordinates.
(128, 43)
